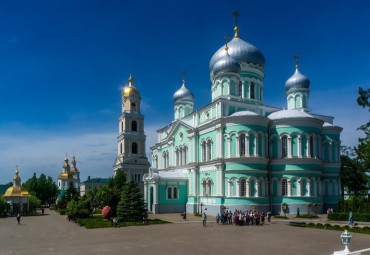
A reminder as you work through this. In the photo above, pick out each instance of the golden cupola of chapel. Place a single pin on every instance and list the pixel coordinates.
(131, 96)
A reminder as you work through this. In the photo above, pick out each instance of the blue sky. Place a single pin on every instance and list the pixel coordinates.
(63, 65)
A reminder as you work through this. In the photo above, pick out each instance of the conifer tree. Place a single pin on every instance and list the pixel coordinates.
(132, 206)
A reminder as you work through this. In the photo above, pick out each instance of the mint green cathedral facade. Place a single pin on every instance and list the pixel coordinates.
(237, 153)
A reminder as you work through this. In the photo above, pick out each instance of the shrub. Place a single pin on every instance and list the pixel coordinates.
(319, 225)
(310, 224)
(344, 216)
(82, 213)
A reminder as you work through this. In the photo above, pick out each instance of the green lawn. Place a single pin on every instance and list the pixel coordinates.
(99, 222)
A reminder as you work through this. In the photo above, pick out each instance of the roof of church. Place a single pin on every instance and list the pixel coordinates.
(168, 175)
(244, 113)
(289, 114)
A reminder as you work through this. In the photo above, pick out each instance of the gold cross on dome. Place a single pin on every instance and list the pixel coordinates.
(296, 60)
(236, 15)
(183, 76)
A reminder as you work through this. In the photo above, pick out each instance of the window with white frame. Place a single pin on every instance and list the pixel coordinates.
(311, 146)
(209, 149)
(204, 150)
(252, 91)
(243, 185)
(242, 144)
(172, 192)
(284, 187)
(284, 146)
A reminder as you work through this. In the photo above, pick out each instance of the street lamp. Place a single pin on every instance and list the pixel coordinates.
(346, 240)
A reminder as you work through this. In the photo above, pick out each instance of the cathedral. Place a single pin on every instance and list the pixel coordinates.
(236, 152)
(70, 176)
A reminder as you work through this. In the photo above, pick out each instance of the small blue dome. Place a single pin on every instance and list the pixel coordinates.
(297, 81)
(183, 95)
(226, 64)
(241, 51)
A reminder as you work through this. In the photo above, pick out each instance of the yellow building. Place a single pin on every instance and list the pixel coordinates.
(17, 196)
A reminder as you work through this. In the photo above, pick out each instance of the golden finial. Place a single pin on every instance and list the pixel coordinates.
(236, 29)
(183, 77)
(226, 39)
(296, 61)
(130, 80)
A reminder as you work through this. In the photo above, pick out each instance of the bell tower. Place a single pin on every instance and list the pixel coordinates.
(131, 157)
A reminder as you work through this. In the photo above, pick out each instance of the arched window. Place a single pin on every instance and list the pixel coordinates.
(156, 162)
(209, 150)
(134, 148)
(180, 155)
(284, 146)
(184, 155)
(133, 126)
(252, 91)
(243, 188)
(121, 126)
(204, 149)
(284, 187)
(204, 187)
(175, 193)
(120, 148)
(242, 144)
(169, 192)
(240, 92)
(209, 192)
(177, 157)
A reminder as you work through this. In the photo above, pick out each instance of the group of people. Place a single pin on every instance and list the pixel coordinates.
(248, 217)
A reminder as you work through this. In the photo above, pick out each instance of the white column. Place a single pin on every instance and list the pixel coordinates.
(289, 147)
(145, 192)
(308, 188)
(237, 146)
(314, 144)
(308, 146)
(247, 146)
(263, 145)
(299, 188)
(257, 192)
(230, 191)
(218, 142)
(237, 188)
(280, 152)
(229, 146)
(299, 147)
(189, 183)
(289, 187)
(247, 189)
(256, 146)
(155, 195)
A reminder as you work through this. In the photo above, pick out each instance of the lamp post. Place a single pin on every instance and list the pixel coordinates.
(346, 240)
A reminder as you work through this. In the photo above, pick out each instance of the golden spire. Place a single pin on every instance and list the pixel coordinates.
(183, 77)
(130, 80)
(236, 29)
(226, 39)
(296, 61)
(16, 170)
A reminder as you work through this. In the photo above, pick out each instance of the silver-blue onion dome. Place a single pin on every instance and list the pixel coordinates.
(183, 95)
(241, 51)
(297, 81)
(226, 64)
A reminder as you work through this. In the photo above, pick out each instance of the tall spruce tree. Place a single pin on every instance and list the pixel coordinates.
(131, 206)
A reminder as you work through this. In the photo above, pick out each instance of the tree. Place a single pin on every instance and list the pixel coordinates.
(43, 188)
(131, 206)
(356, 162)
(34, 203)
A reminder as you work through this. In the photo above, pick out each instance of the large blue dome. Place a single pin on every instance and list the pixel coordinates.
(297, 81)
(226, 64)
(241, 51)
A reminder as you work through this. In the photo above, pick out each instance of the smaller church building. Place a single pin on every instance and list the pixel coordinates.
(69, 176)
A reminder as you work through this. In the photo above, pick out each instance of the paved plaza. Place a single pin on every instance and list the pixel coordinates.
(53, 234)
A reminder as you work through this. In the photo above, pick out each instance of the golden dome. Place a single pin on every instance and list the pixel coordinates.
(130, 90)
(65, 176)
(16, 191)
(73, 169)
